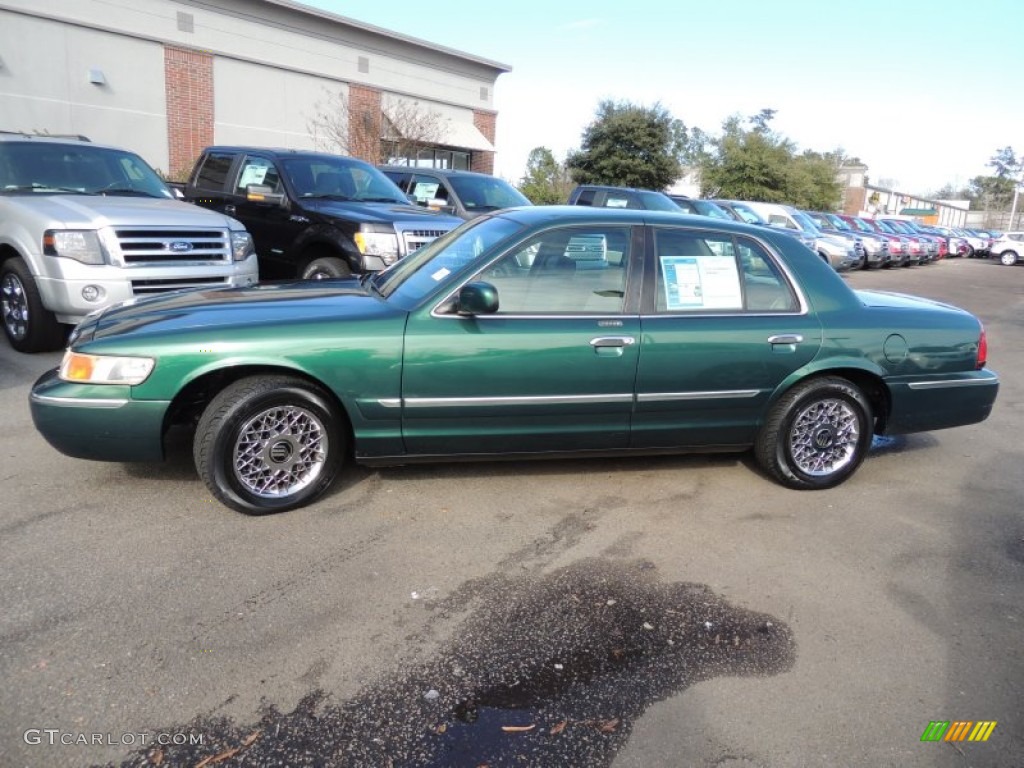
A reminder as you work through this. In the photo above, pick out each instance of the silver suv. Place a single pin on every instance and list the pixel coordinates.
(84, 226)
(1009, 248)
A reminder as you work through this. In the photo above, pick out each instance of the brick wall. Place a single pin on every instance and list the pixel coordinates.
(188, 81)
(855, 200)
(364, 123)
(483, 162)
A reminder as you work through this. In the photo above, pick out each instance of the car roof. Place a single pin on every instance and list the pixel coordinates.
(282, 152)
(584, 214)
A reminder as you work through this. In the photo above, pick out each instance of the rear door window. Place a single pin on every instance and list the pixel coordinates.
(214, 171)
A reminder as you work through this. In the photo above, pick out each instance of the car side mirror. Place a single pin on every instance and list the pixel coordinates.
(477, 298)
(440, 204)
(258, 193)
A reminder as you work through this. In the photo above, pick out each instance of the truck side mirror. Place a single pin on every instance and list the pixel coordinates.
(258, 193)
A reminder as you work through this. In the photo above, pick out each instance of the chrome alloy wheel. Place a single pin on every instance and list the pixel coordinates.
(824, 437)
(280, 451)
(14, 306)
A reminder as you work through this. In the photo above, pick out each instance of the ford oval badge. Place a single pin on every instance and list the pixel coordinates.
(179, 246)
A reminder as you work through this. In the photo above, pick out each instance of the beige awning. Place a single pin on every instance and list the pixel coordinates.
(454, 127)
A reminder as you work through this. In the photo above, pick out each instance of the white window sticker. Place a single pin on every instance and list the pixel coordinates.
(253, 174)
(701, 282)
(441, 274)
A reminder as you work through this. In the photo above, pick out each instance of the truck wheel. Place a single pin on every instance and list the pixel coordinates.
(326, 268)
(29, 326)
(268, 444)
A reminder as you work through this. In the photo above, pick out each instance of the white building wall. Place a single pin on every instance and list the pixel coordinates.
(267, 107)
(44, 85)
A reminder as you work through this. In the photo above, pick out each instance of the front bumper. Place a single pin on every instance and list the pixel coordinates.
(98, 422)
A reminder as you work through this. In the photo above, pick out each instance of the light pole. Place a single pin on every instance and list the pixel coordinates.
(1013, 209)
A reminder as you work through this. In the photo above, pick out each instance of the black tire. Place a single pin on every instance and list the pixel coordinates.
(28, 325)
(803, 447)
(251, 408)
(969, 253)
(1008, 258)
(326, 268)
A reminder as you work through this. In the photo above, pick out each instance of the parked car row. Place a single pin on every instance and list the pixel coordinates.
(842, 240)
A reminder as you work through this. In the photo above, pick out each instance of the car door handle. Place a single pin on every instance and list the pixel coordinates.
(785, 338)
(612, 341)
(229, 209)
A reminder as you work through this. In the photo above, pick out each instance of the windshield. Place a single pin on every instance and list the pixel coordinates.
(838, 223)
(417, 275)
(805, 222)
(81, 169)
(486, 193)
(862, 225)
(707, 208)
(749, 214)
(656, 201)
(340, 178)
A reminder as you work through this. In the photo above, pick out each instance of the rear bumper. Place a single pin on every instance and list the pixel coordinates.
(96, 422)
(949, 400)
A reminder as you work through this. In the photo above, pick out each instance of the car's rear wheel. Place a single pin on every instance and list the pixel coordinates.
(29, 326)
(1008, 258)
(326, 268)
(816, 435)
(269, 444)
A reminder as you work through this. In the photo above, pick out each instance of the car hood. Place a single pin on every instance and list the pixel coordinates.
(217, 311)
(380, 213)
(94, 211)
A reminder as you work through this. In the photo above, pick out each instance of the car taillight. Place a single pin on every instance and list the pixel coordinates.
(982, 350)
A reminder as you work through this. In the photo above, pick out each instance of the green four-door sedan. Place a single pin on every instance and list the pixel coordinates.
(545, 331)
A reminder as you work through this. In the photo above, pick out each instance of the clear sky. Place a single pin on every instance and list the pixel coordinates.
(923, 92)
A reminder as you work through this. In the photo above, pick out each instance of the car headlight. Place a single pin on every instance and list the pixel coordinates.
(241, 245)
(377, 241)
(105, 369)
(81, 245)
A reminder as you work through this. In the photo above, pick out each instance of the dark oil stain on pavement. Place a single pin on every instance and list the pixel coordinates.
(550, 670)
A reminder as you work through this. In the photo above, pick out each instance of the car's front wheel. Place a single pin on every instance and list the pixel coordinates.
(1008, 258)
(29, 326)
(269, 444)
(816, 435)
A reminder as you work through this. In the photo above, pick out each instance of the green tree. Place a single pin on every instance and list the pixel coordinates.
(1006, 164)
(546, 181)
(992, 192)
(629, 145)
(749, 161)
(747, 164)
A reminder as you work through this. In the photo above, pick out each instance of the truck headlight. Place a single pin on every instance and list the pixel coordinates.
(81, 245)
(376, 240)
(241, 245)
(105, 369)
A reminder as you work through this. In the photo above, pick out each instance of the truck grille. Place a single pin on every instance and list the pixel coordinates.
(147, 287)
(414, 239)
(161, 246)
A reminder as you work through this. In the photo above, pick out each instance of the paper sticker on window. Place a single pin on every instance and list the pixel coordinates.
(424, 191)
(701, 282)
(441, 274)
(253, 174)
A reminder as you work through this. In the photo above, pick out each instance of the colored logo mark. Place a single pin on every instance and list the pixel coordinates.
(958, 730)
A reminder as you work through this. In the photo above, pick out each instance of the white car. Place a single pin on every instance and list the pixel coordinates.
(1009, 248)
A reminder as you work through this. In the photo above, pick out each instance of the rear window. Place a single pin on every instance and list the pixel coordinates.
(214, 171)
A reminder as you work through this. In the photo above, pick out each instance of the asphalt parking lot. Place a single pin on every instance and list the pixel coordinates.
(680, 611)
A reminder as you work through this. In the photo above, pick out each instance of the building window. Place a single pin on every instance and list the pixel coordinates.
(428, 157)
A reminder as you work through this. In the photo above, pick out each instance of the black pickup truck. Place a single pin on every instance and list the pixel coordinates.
(313, 215)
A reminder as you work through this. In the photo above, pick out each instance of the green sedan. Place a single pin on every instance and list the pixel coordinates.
(531, 332)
